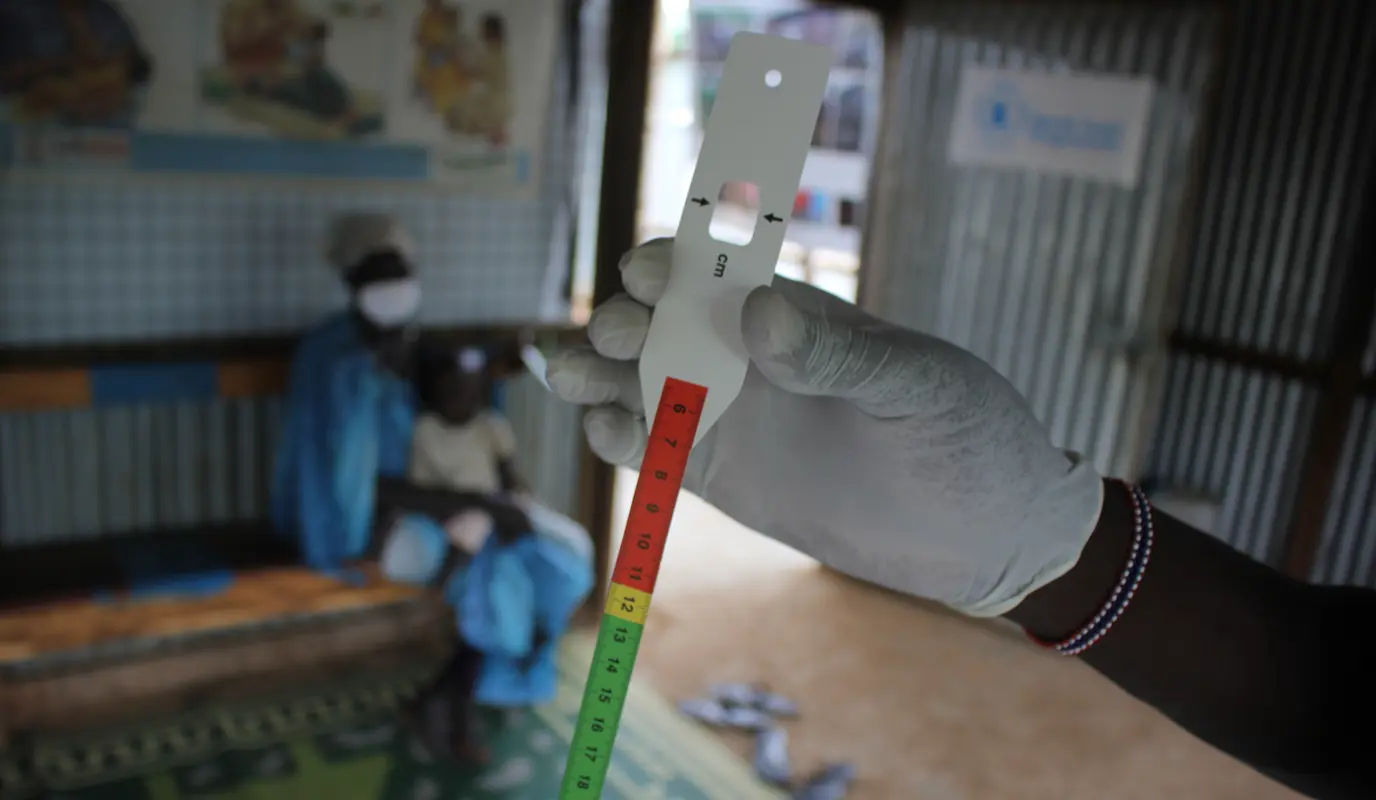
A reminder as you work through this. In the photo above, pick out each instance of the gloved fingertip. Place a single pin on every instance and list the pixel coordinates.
(600, 428)
(612, 435)
(647, 248)
(618, 328)
(645, 270)
(775, 330)
(564, 376)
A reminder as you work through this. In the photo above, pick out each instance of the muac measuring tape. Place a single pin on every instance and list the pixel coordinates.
(694, 361)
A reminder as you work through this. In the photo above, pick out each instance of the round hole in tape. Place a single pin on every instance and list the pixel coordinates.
(773, 78)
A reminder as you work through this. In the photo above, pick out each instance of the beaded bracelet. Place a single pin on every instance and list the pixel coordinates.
(1092, 631)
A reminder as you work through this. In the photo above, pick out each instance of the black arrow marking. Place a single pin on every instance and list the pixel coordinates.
(772, 218)
(701, 201)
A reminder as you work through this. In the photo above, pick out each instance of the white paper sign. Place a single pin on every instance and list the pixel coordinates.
(1089, 126)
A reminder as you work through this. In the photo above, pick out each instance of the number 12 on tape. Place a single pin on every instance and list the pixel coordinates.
(633, 584)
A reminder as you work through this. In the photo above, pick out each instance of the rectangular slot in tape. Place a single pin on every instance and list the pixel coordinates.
(733, 219)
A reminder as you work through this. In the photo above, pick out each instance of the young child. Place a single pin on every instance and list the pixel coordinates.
(462, 445)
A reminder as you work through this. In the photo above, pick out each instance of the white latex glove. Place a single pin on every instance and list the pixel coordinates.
(892, 456)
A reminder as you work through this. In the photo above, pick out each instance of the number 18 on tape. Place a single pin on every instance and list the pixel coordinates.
(633, 583)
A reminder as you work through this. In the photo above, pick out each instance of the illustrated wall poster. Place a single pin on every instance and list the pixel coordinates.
(474, 80)
(449, 91)
(293, 69)
(73, 63)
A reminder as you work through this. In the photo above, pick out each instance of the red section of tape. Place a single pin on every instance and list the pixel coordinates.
(656, 491)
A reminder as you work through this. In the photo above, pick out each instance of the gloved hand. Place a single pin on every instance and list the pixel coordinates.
(891, 456)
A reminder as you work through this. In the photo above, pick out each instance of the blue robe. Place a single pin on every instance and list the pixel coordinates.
(508, 593)
(504, 596)
(348, 421)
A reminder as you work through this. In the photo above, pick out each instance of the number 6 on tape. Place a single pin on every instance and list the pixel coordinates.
(694, 362)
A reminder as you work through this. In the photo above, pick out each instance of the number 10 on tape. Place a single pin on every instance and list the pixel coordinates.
(633, 583)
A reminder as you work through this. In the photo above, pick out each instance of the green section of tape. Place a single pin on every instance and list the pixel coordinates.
(604, 697)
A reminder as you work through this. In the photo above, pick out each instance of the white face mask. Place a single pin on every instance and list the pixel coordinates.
(388, 304)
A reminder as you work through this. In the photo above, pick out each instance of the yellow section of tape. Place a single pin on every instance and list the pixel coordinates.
(629, 604)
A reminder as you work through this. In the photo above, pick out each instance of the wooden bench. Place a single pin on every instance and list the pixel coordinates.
(71, 658)
(67, 659)
(81, 662)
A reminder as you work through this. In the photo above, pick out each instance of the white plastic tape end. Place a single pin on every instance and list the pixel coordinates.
(759, 132)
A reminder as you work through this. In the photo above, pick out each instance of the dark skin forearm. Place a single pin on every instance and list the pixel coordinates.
(512, 482)
(1270, 670)
(395, 494)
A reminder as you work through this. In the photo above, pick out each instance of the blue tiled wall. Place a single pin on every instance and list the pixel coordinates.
(102, 257)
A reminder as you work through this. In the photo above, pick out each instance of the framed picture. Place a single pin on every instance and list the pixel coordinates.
(445, 91)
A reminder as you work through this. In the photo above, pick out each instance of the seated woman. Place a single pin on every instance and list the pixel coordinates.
(345, 465)
(350, 406)
(344, 459)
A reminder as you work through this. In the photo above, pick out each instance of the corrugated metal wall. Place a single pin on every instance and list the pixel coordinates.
(1235, 435)
(71, 474)
(67, 475)
(1028, 271)
(1279, 199)
(1291, 144)
(1347, 552)
(1031, 272)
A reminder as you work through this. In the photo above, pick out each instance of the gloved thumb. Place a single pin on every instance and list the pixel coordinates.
(819, 351)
